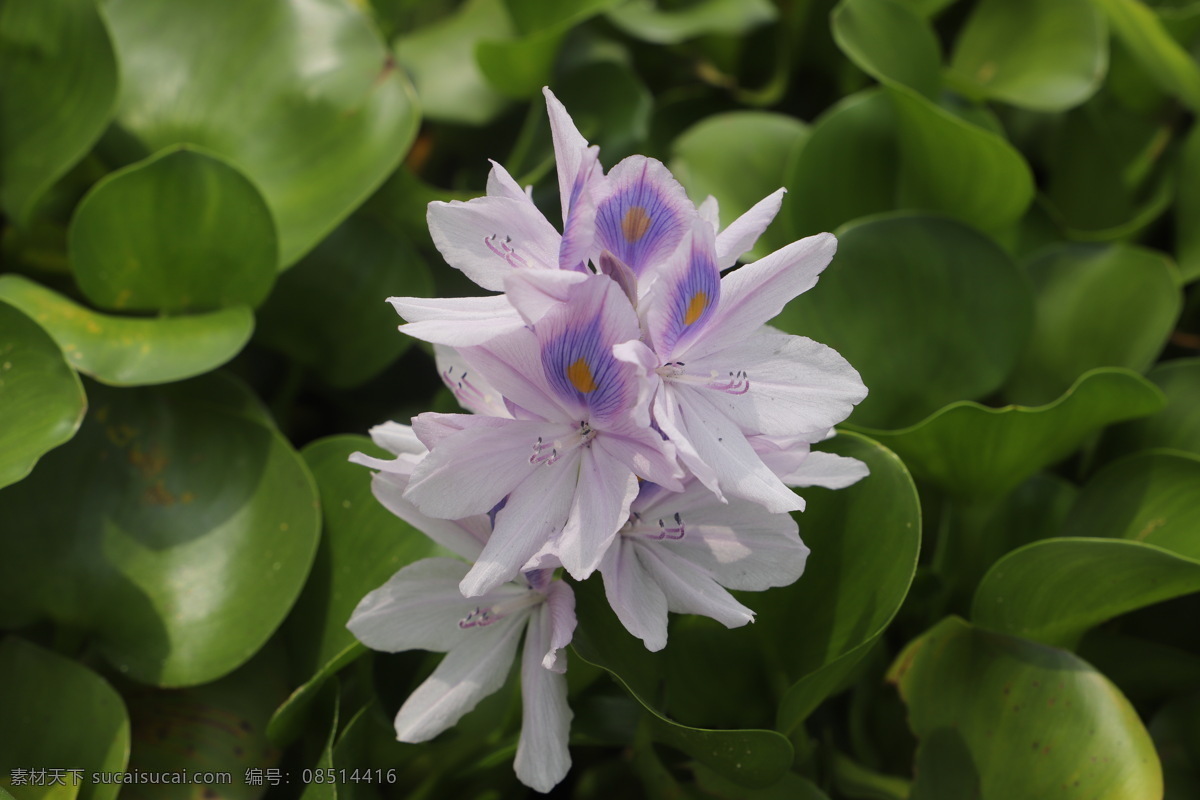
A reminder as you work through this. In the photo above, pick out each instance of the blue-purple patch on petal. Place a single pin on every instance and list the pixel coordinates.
(581, 369)
(693, 297)
(644, 215)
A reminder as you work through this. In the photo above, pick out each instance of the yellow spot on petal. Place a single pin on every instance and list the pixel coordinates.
(635, 224)
(580, 376)
(695, 308)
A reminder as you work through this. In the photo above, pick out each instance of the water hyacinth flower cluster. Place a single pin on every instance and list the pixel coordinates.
(631, 414)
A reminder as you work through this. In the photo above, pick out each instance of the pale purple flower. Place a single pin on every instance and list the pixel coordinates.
(567, 464)
(680, 551)
(723, 374)
(421, 608)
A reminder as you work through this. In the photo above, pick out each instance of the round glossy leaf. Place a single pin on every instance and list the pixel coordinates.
(974, 451)
(363, 546)
(864, 541)
(189, 531)
(132, 351)
(1176, 731)
(221, 725)
(1151, 497)
(751, 758)
(538, 15)
(41, 400)
(1041, 56)
(890, 42)
(1140, 29)
(957, 168)
(441, 59)
(58, 84)
(59, 712)
(905, 297)
(180, 231)
(1095, 306)
(998, 716)
(1177, 426)
(1054, 590)
(763, 140)
(847, 168)
(303, 98)
(329, 311)
(645, 20)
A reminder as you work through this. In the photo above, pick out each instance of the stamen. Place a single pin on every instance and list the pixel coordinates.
(549, 452)
(465, 391)
(505, 250)
(738, 383)
(481, 617)
(673, 532)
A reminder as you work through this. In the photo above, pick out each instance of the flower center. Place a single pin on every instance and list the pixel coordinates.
(671, 527)
(482, 616)
(549, 452)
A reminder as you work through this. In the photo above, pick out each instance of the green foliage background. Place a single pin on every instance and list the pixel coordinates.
(206, 202)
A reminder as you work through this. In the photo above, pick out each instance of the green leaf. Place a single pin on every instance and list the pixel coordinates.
(41, 400)
(363, 546)
(180, 231)
(951, 294)
(1096, 306)
(973, 451)
(610, 105)
(890, 42)
(221, 725)
(1160, 55)
(750, 758)
(1177, 426)
(864, 542)
(790, 787)
(538, 15)
(303, 98)
(58, 85)
(58, 712)
(329, 311)
(1108, 170)
(1187, 208)
(1176, 731)
(1041, 56)
(847, 168)
(999, 716)
(643, 19)
(441, 59)
(957, 168)
(519, 68)
(1151, 497)
(132, 351)
(1055, 590)
(190, 530)
(765, 140)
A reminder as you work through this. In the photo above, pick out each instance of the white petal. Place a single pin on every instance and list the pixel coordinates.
(513, 364)
(690, 590)
(472, 470)
(635, 597)
(739, 543)
(419, 608)
(397, 439)
(744, 231)
(536, 292)
(542, 756)
(464, 537)
(645, 453)
(470, 672)
(796, 385)
(457, 321)
(470, 388)
(755, 293)
(488, 237)
(501, 184)
(721, 445)
(601, 505)
(828, 470)
(569, 147)
(533, 514)
(560, 613)
(710, 212)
